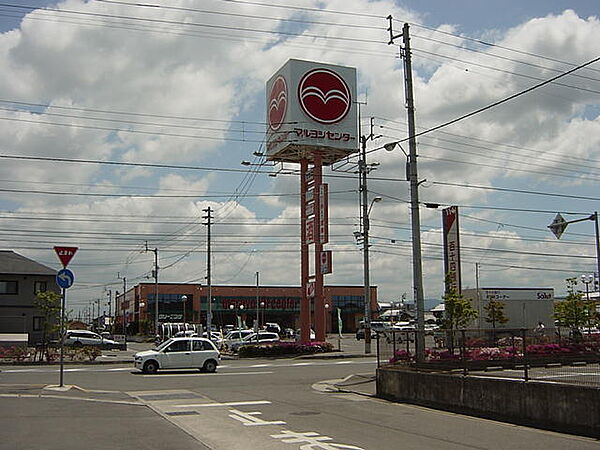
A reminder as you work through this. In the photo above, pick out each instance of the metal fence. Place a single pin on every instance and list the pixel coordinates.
(555, 355)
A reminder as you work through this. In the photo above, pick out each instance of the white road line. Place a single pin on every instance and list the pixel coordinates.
(344, 362)
(260, 365)
(225, 404)
(161, 375)
(303, 364)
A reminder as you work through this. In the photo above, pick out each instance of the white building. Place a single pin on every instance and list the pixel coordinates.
(523, 307)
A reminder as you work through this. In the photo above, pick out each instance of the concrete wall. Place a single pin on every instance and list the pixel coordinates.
(565, 408)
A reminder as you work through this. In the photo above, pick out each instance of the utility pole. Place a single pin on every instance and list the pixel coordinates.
(364, 170)
(208, 223)
(155, 275)
(257, 321)
(122, 303)
(110, 318)
(414, 189)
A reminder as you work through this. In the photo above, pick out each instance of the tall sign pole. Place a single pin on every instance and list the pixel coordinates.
(64, 279)
(305, 178)
(320, 239)
(312, 121)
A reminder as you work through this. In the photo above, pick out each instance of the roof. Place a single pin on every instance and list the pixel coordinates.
(13, 263)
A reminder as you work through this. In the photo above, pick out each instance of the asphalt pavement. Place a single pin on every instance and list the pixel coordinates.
(325, 401)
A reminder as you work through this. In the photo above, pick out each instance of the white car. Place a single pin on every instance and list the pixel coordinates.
(179, 353)
(264, 337)
(83, 338)
(235, 337)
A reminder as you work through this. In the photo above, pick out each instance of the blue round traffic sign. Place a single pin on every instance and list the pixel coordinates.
(65, 278)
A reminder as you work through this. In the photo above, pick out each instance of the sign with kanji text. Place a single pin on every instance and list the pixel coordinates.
(326, 261)
(324, 214)
(451, 248)
(310, 231)
(65, 254)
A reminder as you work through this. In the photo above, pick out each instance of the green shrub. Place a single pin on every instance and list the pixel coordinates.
(283, 349)
(91, 352)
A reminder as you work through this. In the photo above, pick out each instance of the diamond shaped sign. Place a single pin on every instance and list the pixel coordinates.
(558, 226)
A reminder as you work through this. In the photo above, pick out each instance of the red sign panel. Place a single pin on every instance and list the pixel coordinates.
(310, 231)
(324, 214)
(451, 248)
(65, 254)
(326, 261)
(277, 103)
(324, 96)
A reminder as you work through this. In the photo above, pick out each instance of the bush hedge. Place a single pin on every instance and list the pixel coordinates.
(284, 349)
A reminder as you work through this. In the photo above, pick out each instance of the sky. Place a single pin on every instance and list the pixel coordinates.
(164, 100)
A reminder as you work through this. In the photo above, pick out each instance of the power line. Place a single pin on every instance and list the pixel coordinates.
(193, 24)
(499, 102)
(503, 47)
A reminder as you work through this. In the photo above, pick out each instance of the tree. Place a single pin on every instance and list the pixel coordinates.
(49, 303)
(494, 313)
(458, 313)
(574, 312)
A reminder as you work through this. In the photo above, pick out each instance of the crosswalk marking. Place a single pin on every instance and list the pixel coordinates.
(224, 404)
(162, 374)
(102, 368)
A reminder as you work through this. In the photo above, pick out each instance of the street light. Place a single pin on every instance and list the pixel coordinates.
(184, 299)
(239, 321)
(366, 270)
(587, 279)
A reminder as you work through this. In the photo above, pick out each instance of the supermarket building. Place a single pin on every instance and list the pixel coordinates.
(280, 304)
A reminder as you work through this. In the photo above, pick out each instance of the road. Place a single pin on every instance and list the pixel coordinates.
(270, 404)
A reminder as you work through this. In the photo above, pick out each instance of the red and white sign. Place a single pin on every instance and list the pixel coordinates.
(311, 106)
(65, 254)
(277, 103)
(324, 96)
(324, 213)
(310, 231)
(310, 209)
(310, 289)
(451, 248)
(326, 261)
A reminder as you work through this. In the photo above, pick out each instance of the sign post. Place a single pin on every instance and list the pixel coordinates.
(64, 279)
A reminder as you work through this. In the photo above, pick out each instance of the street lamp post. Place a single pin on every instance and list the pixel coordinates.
(366, 211)
(587, 279)
(184, 299)
(238, 319)
(262, 307)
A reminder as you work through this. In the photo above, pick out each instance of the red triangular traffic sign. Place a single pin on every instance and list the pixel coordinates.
(65, 254)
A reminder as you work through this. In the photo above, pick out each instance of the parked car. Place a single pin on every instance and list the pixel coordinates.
(216, 337)
(179, 353)
(234, 337)
(312, 334)
(360, 334)
(82, 338)
(273, 327)
(187, 333)
(263, 338)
